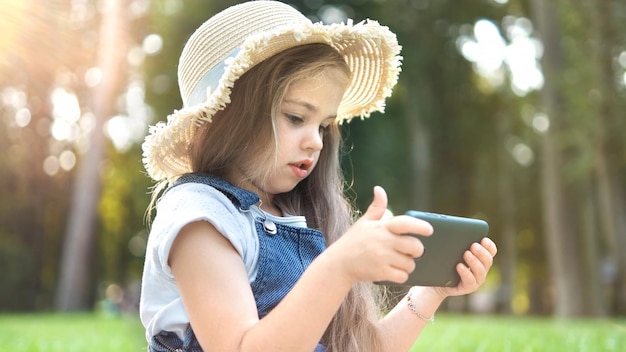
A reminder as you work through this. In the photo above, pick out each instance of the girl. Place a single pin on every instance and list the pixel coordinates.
(254, 247)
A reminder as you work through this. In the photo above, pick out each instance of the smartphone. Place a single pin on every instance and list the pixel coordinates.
(444, 249)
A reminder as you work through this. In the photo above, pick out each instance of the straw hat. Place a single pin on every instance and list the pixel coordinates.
(230, 43)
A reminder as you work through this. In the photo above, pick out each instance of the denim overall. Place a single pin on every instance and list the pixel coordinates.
(284, 253)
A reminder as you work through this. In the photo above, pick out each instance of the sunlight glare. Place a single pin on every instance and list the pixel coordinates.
(484, 48)
(490, 53)
(125, 130)
(13, 98)
(93, 76)
(491, 43)
(469, 48)
(22, 117)
(62, 130)
(51, 165)
(523, 154)
(152, 44)
(65, 113)
(332, 14)
(541, 123)
(67, 160)
(521, 56)
(116, 129)
(65, 105)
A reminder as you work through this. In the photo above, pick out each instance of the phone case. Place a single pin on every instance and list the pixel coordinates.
(444, 249)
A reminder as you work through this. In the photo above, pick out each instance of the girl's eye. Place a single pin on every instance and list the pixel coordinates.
(324, 128)
(295, 119)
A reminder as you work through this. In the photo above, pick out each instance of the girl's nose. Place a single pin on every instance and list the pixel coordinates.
(314, 139)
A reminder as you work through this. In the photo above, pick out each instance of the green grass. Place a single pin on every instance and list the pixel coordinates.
(450, 333)
(70, 333)
(471, 333)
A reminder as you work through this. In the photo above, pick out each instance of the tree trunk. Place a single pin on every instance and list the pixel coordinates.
(73, 290)
(420, 156)
(611, 203)
(561, 241)
(506, 197)
(594, 296)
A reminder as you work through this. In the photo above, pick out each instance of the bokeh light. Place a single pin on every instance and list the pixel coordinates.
(491, 54)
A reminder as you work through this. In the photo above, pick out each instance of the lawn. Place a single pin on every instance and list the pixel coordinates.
(71, 333)
(450, 333)
(470, 333)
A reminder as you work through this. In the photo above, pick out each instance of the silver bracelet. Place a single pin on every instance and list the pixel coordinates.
(411, 304)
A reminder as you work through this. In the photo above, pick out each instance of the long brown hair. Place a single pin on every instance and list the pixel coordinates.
(243, 136)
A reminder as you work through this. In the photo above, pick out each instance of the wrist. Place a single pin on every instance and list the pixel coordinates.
(413, 307)
(432, 293)
(427, 299)
(334, 270)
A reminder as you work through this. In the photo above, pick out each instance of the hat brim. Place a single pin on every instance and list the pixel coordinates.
(370, 50)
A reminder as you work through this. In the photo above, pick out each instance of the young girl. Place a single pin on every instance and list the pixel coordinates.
(254, 247)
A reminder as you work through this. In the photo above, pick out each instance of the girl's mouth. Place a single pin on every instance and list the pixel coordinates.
(301, 169)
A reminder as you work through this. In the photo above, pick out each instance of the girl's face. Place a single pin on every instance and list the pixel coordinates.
(308, 108)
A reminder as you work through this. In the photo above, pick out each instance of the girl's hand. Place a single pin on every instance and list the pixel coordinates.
(375, 248)
(478, 261)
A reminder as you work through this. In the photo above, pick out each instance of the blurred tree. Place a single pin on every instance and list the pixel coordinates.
(586, 139)
(31, 211)
(561, 238)
(73, 290)
(608, 144)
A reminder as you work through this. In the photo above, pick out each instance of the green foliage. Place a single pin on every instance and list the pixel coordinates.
(17, 272)
(124, 200)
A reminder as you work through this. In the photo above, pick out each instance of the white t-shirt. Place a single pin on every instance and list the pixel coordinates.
(161, 308)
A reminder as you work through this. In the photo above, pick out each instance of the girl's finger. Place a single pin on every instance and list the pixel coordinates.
(477, 268)
(397, 275)
(467, 277)
(378, 206)
(483, 254)
(403, 262)
(404, 224)
(409, 245)
(490, 246)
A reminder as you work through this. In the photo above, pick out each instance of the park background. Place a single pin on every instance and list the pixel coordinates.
(510, 111)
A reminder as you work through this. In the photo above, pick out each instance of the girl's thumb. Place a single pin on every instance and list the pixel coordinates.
(378, 207)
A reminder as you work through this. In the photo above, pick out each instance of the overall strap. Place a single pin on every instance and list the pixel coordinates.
(242, 198)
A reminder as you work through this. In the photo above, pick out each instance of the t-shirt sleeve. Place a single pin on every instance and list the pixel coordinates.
(191, 202)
